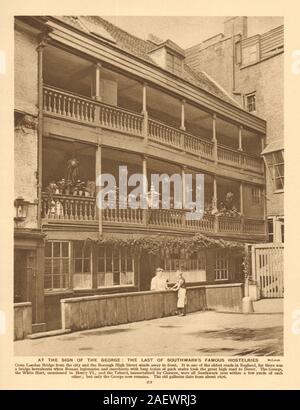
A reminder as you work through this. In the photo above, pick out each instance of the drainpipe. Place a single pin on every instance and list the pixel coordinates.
(40, 49)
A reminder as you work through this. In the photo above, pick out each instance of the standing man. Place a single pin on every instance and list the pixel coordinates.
(158, 282)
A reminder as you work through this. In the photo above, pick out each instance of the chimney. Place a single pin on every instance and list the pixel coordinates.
(237, 24)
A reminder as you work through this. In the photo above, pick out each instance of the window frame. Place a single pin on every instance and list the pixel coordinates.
(61, 258)
(252, 103)
(113, 271)
(273, 167)
(83, 260)
(221, 258)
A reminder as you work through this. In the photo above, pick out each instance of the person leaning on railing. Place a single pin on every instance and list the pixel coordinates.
(180, 286)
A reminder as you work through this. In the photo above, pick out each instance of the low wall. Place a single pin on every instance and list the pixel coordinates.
(225, 297)
(22, 320)
(91, 312)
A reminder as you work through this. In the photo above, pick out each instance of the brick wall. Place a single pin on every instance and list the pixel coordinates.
(265, 77)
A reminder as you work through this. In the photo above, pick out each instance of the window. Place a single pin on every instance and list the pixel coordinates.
(174, 63)
(256, 195)
(82, 276)
(115, 267)
(57, 265)
(251, 102)
(270, 230)
(275, 163)
(221, 265)
(282, 229)
(194, 267)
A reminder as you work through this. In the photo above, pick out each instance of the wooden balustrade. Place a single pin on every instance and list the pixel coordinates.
(229, 156)
(229, 224)
(198, 146)
(123, 216)
(64, 208)
(78, 108)
(68, 105)
(254, 226)
(165, 134)
(69, 207)
(120, 119)
(171, 136)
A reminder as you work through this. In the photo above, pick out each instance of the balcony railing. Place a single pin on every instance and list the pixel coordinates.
(71, 106)
(79, 210)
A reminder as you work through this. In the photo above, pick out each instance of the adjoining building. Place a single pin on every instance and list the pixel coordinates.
(250, 69)
(90, 97)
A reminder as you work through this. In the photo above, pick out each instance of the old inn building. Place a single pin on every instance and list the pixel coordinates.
(90, 97)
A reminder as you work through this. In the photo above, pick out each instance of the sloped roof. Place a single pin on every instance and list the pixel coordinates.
(141, 49)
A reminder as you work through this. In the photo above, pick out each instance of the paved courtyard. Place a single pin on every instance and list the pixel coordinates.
(200, 333)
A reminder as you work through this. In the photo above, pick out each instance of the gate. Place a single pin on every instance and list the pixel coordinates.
(267, 268)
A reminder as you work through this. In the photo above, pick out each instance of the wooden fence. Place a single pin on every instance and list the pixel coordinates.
(267, 269)
(91, 312)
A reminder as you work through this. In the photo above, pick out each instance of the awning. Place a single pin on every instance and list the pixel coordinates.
(276, 145)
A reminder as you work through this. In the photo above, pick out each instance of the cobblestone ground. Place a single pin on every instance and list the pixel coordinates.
(201, 333)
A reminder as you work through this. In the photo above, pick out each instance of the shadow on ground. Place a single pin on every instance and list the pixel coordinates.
(243, 334)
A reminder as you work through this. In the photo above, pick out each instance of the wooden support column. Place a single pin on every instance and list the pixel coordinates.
(183, 168)
(214, 137)
(97, 93)
(144, 112)
(98, 172)
(215, 194)
(182, 124)
(241, 198)
(240, 138)
(145, 188)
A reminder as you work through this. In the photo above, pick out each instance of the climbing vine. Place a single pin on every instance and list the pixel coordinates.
(161, 245)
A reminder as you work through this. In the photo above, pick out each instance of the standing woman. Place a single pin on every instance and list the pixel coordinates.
(180, 286)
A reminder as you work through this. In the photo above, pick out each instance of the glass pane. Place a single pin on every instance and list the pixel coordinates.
(78, 249)
(65, 265)
(65, 249)
(56, 249)
(108, 265)
(101, 265)
(116, 263)
(78, 265)
(116, 278)
(123, 263)
(129, 263)
(56, 281)
(48, 249)
(87, 250)
(108, 252)
(56, 266)
(48, 282)
(278, 183)
(100, 252)
(86, 265)
(101, 279)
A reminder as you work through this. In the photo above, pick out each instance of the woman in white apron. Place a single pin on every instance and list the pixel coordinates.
(180, 286)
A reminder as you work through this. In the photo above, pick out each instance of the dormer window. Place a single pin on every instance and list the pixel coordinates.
(174, 63)
(167, 55)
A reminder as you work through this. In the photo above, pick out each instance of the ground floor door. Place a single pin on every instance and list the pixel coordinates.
(267, 269)
(24, 277)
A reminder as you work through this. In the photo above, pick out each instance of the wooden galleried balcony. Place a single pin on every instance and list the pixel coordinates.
(69, 194)
(68, 105)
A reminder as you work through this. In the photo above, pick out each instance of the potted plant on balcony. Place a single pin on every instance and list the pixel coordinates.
(68, 187)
